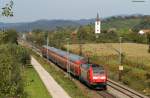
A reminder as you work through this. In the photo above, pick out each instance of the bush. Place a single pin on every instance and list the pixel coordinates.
(12, 57)
(18, 52)
(126, 80)
(11, 83)
(10, 36)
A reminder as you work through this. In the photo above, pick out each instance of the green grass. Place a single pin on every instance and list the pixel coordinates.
(34, 86)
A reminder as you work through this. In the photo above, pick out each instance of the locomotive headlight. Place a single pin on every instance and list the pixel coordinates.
(99, 77)
(103, 77)
(95, 77)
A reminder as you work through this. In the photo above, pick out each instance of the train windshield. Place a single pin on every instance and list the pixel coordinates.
(97, 69)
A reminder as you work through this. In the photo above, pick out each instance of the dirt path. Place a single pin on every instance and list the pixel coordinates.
(55, 90)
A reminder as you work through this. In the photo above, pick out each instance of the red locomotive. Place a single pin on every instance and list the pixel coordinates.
(92, 74)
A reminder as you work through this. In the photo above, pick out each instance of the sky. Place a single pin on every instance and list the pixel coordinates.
(32, 10)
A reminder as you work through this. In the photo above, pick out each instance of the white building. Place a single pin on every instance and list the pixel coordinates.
(97, 25)
(141, 32)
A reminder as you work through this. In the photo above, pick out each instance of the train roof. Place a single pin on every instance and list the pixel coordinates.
(72, 57)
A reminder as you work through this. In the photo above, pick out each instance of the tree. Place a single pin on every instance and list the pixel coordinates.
(18, 52)
(144, 24)
(12, 57)
(37, 37)
(11, 83)
(10, 36)
(7, 10)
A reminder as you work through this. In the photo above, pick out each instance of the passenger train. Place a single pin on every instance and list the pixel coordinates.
(93, 75)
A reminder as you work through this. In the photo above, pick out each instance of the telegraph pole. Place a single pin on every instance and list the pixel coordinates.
(47, 45)
(120, 60)
(68, 64)
(80, 43)
(80, 47)
(148, 41)
(147, 33)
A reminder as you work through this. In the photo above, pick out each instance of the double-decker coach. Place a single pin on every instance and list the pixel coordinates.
(92, 74)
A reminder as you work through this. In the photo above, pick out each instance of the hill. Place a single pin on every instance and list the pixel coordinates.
(120, 23)
(145, 24)
(44, 24)
(123, 24)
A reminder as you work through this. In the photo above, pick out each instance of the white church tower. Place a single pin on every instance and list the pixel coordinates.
(97, 25)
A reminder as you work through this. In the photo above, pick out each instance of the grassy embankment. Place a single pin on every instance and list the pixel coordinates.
(136, 63)
(69, 85)
(34, 87)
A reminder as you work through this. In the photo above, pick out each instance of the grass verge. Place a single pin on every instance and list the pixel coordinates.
(33, 85)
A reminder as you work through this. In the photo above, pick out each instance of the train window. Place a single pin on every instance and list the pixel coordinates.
(85, 66)
(97, 69)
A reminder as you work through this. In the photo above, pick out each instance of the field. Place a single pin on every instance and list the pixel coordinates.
(105, 49)
(132, 51)
(34, 86)
(136, 62)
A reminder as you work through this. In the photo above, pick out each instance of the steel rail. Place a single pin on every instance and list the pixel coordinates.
(106, 94)
(126, 91)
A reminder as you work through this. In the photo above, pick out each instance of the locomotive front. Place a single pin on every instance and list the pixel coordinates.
(98, 76)
(94, 75)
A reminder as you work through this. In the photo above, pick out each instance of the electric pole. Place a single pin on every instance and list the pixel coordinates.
(68, 57)
(120, 60)
(47, 45)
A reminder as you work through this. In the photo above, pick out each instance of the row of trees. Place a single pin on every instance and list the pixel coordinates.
(145, 24)
(56, 38)
(84, 34)
(13, 59)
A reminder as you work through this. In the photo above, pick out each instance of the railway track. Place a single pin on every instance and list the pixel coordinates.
(122, 91)
(127, 92)
(106, 94)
